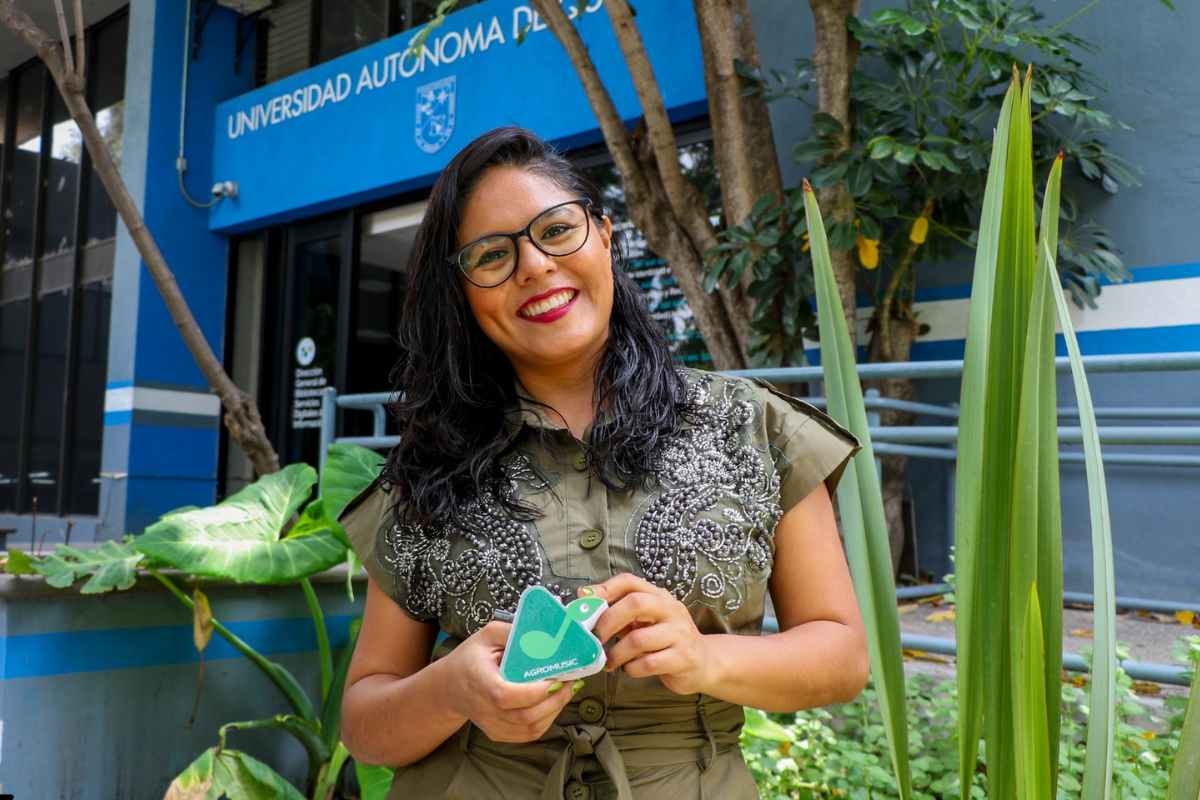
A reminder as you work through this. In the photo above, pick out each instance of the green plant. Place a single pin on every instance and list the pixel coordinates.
(842, 751)
(270, 532)
(1007, 505)
(1185, 778)
(929, 82)
(860, 501)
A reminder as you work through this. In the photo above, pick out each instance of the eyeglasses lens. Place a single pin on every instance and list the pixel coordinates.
(558, 231)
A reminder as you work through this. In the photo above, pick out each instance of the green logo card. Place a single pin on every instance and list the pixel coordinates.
(551, 641)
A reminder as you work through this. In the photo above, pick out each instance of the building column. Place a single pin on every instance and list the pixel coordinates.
(160, 417)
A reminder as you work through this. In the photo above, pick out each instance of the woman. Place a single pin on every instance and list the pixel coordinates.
(547, 438)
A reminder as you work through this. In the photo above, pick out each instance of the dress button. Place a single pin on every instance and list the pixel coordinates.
(581, 465)
(591, 538)
(577, 791)
(591, 710)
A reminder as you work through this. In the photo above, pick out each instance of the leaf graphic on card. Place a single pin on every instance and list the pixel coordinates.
(549, 640)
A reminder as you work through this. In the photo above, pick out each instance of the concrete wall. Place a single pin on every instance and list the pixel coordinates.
(96, 692)
(1149, 69)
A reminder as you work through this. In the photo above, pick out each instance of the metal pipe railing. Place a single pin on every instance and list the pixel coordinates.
(1120, 601)
(1138, 670)
(1150, 362)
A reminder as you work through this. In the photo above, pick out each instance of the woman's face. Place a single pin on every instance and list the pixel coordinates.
(554, 310)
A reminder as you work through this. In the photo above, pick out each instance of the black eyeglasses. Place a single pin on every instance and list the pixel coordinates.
(558, 231)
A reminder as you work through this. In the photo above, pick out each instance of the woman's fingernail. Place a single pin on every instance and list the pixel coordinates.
(586, 591)
(576, 686)
(554, 687)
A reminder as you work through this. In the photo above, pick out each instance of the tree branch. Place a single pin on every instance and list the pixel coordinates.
(646, 197)
(65, 37)
(80, 44)
(685, 200)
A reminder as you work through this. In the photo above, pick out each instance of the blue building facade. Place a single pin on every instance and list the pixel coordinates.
(324, 132)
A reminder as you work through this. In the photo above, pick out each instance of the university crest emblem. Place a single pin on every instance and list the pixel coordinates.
(435, 114)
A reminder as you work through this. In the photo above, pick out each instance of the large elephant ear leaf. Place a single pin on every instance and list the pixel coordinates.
(110, 566)
(220, 773)
(349, 469)
(239, 539)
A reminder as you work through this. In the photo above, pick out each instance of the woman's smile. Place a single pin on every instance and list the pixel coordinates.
(549, 306)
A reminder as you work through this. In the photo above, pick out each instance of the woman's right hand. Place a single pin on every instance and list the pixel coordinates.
(504, 711)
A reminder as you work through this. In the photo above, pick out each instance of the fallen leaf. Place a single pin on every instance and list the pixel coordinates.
(1148, 735)
(921, 655)
(202, 620)
(941, 616)
(1147, 687)
(1185, 617)
(906, 608)
(1082, 633)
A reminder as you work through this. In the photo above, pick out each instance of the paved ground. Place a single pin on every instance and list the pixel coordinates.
(1147, 636)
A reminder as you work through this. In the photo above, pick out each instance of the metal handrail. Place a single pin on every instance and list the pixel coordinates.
(904, 440)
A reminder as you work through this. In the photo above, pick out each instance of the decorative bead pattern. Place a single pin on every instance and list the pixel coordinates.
(502, 557)
(709, 530)
(704, 534)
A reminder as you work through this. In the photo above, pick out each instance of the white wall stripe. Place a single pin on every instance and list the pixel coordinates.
(130, 398)
(1122, 306)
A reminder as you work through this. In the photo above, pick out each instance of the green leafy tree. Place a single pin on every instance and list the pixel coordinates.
(913, 159)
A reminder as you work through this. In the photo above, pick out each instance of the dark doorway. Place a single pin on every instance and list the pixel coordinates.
(334, 300)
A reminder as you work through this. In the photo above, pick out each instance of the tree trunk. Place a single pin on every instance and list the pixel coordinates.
(743, 141)
(834, 55)
(895, 328)
(664, 205)
(241, 412)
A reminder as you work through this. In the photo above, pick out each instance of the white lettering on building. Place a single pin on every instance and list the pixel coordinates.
(447, 48)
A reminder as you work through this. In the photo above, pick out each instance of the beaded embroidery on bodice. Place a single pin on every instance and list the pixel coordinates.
(708, 531)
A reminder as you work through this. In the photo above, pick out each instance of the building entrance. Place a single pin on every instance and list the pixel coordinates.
(338, 289)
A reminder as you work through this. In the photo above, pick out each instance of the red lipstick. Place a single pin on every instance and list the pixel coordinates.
(554, 313)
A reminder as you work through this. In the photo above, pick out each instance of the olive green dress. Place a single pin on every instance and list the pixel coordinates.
(704, 531)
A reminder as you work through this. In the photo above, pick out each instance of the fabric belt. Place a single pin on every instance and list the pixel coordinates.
(616, 752)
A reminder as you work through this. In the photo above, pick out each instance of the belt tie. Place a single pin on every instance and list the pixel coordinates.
(586, 740)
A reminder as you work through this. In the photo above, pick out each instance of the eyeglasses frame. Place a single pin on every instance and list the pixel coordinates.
(515, 236)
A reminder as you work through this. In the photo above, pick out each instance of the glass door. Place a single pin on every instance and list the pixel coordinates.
(310, 351)
(385, 243)
(332, 310)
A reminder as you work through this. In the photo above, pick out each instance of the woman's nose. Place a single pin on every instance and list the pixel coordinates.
(531, 261)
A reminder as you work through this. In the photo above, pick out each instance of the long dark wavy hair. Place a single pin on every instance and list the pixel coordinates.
(455, 388)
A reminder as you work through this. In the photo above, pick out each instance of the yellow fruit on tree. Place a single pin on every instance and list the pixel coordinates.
(868, 252)
(920, 230)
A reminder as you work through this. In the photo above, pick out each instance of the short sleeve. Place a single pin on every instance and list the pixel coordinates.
(807, 445)
(367, 519)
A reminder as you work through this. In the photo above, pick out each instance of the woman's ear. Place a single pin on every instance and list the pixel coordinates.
(604, 228)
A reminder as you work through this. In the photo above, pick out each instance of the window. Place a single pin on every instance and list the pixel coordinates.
(108, 104)
(61, 183)
(29, 86)
(54, 303)
(652, 273)
(349, 25)
(91, 372)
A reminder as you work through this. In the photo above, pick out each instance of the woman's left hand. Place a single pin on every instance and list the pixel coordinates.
(657, 635)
